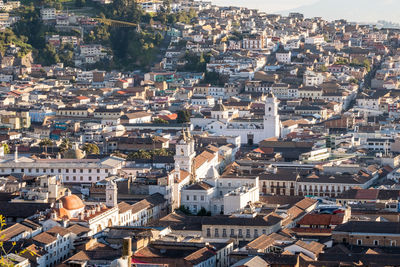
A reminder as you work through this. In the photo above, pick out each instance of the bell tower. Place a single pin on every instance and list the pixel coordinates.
(272, 123)
(111, 194)
(185, 153)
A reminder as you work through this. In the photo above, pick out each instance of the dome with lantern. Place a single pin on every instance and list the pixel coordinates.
(69, 206)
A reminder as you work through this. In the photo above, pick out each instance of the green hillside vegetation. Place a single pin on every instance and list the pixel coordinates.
(130, 47)
(8, 37)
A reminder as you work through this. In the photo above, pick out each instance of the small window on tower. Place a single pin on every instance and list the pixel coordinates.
(269, 109)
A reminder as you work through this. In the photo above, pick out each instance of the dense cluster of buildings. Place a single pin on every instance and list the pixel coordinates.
(289, 155)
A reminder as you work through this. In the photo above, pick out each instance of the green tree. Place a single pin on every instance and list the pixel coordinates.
(6, 148)
(5, 258)
(65, 145)
(367, 65)
(203, 212)
(91, 149)
(141, 154)
(160, 121)
(80, 3)
(183, 116)
(185, 210)
(46, 142)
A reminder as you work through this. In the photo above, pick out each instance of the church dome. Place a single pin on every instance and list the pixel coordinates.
(74, 154)
(219, 107)
(72, 202)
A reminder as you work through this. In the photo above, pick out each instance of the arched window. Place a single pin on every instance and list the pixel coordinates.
(269, 109)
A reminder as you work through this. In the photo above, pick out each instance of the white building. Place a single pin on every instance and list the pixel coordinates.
(311, 78)
(284, 57)
(70, 170)
(222, 195)
(251, 131)
(91, 50)
(57, 242)
(314, 40)
(48, 13)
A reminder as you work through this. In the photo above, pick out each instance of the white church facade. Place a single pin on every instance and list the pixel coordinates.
(250, 130)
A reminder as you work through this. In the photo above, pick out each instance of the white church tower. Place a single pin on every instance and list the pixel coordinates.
(111, 194)
(272, 123)
(185, 152)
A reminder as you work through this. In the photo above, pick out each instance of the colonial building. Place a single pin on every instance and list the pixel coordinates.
(251, 131)
(69, 170)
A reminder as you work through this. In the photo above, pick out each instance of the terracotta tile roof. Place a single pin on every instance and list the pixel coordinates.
(183, 175)
(199, 186)
(199, 256)
(13, 231)
(313, 246)
(44, 238)
(124, 207)
(139, 206)
(58, 230)
(261, 243)
(202, 158)
(321, 219)
(78, 229)
(306, 203)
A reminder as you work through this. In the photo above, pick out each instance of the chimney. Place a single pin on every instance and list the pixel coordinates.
(127, 249)
(16, 154)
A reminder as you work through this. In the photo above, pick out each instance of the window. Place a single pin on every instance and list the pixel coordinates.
(247, 232)
(224, 232)
(51, 170)
(81, 178)
(98, 170)
(67, 170)
(392, 243)
(208, 232)
(81, 170)
(264, 232)
(232, 232)
(202, 198)
(74, 170)
(255, 233)
(22, 170)
(74, 178)
(216, 232)
(194, 197)
(240, 233)
(187, 197)
(376, 242)
(67, 178)
(359, 242)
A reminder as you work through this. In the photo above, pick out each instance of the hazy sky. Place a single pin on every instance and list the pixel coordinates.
(353, 10)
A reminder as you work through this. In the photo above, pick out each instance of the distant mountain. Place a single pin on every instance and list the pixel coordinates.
(353, 10)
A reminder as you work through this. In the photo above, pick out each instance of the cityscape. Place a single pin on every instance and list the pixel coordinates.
(182, 133)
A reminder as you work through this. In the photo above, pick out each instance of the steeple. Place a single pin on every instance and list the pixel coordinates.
(272, 125)
(111, 194)
(184, 151)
